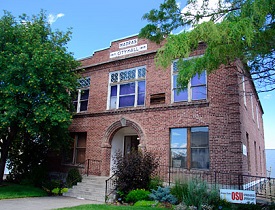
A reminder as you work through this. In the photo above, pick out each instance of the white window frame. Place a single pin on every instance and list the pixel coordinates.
(84, 84)
(257, 116)
(189, 87)
(244, 93)
(120, 82)
(252, 106)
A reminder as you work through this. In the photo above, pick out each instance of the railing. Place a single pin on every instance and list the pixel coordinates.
(263, 186)
(91, 167)
(110, 186)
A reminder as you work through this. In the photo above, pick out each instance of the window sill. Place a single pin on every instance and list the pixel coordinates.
(190, 102)
(139, 109)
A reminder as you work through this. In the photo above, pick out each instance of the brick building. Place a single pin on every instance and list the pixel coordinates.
(124, 102)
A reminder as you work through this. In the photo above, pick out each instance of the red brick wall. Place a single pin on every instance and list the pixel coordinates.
(223, 112)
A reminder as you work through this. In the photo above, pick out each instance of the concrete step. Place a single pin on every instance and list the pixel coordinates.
(91, 188)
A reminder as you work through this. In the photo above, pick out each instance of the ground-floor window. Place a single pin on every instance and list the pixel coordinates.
(76, 155)
(189, 147)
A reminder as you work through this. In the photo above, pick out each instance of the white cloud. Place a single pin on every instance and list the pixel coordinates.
(197, 7)
(178, 4)
(267, 96)
(52, 18)
(176, 134)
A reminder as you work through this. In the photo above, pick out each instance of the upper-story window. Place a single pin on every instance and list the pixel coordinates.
(196, 89)
(127, 88)
(81, 100)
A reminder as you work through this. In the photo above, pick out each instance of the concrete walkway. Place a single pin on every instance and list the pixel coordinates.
(42, 203)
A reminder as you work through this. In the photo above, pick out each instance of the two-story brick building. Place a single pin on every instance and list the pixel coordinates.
(125, 102)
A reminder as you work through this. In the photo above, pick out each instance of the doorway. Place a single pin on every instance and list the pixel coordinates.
(130, 144)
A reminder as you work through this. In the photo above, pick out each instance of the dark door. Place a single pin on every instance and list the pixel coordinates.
(130, 143)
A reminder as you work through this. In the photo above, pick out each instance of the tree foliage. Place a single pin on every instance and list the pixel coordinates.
(36, 79)
(236, 29)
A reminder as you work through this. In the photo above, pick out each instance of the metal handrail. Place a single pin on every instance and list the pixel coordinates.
(88, 161)
(92, 160)
(113, 179)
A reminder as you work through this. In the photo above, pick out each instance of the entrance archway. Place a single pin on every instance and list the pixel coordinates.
(123, 135)
(125, 140)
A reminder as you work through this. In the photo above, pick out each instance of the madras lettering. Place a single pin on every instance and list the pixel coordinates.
(128, 43)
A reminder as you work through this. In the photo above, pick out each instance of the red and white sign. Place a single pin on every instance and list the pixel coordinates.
(238, 196)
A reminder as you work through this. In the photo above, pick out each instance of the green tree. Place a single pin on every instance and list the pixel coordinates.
(236, 29)
(36, 80)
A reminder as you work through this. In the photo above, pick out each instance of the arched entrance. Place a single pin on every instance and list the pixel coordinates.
(125, 140)
(124, 136)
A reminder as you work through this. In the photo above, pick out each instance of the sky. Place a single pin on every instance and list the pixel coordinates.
(95, 24)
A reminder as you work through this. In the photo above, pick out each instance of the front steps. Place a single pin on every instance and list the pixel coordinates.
(91, 188)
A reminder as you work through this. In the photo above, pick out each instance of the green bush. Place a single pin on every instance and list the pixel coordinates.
(51, 186)
(163, 195)
(59, 191)
(154, 183)
(179, 189)
(195, 192)
(73, 177)
(134, 170)
(137, 195)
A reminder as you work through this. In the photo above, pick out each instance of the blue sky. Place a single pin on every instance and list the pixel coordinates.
(95, 24)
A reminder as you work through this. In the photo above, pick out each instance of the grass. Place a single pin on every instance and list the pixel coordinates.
(107, 207)
(9, 190)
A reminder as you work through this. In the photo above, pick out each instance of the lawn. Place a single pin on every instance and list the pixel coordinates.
(107, 207)
(9, 190)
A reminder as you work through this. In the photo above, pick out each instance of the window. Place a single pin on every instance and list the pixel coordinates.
(76, 155)
(190, 147)
(244, 94)
(252, 105)
(256, 156)
(82, 97)
(196, 89)
(127, 88)
(257, 116)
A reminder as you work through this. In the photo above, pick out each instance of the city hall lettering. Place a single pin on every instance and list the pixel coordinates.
(128, 43)
(128, 51)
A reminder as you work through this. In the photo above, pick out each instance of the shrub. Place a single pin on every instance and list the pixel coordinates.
(53, 187)
(195, 192)
(137, 195)
(154, 183)
(179, 189)
(59, 191)
(162, 194)
(134, 170)
(73, 177)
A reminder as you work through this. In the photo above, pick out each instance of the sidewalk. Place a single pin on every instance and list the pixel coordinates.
(43, 203)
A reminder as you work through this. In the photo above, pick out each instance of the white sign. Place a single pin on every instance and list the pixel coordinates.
(128, 51)
(238, 196)
(128, 43)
